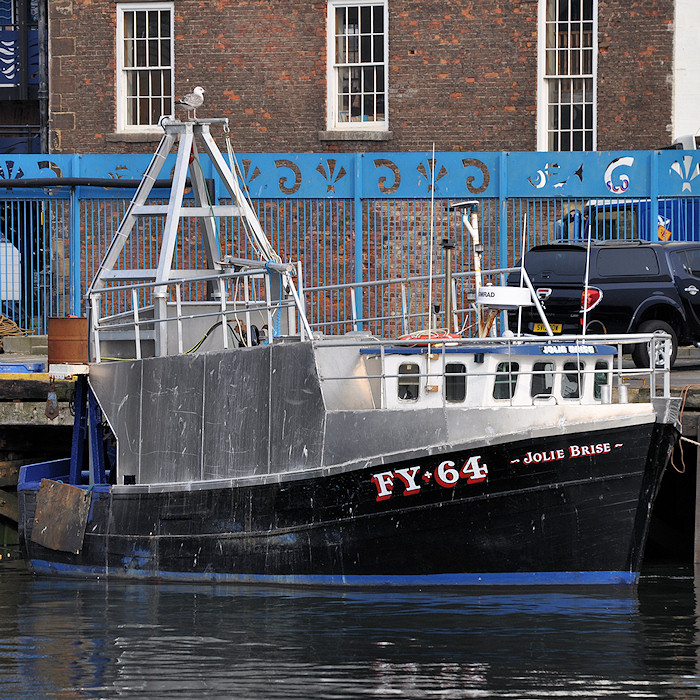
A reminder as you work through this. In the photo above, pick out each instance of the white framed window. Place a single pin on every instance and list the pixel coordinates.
(568, 47)
(358, 49)
(145, 72)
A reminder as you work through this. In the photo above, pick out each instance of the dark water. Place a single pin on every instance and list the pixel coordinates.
(96, 640)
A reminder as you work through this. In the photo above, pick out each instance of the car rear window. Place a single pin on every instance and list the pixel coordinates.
(627, 262)
(565, 262)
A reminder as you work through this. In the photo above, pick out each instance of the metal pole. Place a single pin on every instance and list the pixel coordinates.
(696, 557)
(448, 246)
(43, 93)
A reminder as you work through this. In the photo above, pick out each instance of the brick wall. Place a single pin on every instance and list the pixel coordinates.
(635, 66)
(462, 75)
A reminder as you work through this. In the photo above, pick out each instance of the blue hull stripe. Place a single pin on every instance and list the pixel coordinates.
(525, 578)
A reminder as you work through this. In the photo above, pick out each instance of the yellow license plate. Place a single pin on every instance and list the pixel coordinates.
(541, 328)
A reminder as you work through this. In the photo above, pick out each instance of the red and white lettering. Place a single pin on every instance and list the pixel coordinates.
(408, 476)
(446, 475)
(589, 450)
(473, 471)
(384, 482)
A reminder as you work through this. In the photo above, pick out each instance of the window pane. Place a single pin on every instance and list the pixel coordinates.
(131, 111)
(153, 52)
(140, 53)
(408, 381)
(156, 83)
(340, 55)
(366, 52)
(131, 84)
(368, 108)
(141, 25)
(340, 21)
(128, 25)
(365, 19)
(378, 26)
(600, 378)
(343, 108)
(542, 379)
(165, 23)
(153, 23)
(506, 380)
(167, 92)
(571, 382)
(128, 53)
(381, 110)
(378, 49)
(455, 382)
(353, 52)
(352, 27)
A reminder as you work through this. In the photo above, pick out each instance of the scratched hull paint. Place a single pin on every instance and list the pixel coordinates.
(542, 514)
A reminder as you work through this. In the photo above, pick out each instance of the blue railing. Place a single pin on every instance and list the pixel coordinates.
(350, 218)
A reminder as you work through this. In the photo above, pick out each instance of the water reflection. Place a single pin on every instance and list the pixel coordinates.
(93, 639)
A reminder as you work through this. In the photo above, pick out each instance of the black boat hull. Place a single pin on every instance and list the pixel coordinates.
(561, 510)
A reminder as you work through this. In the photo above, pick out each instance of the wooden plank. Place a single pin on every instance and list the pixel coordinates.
(28, 387)
(9, 470)
(61, 516)
(9, 505)
(25, 413)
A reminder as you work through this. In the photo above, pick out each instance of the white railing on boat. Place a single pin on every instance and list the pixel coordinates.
(595, 377)
(254, 302)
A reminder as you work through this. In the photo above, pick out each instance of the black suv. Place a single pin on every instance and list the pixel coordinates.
(633, 287)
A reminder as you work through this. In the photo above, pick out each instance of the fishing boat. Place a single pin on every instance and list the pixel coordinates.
(221, 436)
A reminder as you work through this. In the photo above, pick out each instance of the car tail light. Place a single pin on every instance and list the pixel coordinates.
(590, 298)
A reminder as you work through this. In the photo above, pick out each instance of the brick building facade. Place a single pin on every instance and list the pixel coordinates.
(460, 74)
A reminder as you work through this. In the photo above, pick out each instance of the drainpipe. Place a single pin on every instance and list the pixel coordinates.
(42, 31)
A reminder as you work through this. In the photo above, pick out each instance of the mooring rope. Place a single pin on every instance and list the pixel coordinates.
(9, 327)
(684, 397)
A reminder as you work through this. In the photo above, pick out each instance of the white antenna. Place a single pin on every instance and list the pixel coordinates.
(523, 236)
(430, 254)
(585, 281)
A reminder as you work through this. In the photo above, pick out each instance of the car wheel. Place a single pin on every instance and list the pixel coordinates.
(640, 354)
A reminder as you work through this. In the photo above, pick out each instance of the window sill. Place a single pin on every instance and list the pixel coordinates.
(134, 136)
(358, 135)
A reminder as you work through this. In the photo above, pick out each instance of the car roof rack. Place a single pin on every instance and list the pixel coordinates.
(619, 241)
(597, 241)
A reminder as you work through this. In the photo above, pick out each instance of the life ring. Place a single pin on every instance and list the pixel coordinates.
(436, 336)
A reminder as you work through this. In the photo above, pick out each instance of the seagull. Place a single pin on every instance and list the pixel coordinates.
(193, 100)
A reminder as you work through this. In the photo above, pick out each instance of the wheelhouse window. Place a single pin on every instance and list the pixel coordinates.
(409, 380)
(145, 64)
(506, 380)
(600, 378)
(542, 379)
(455, 382)
(572, 380)
(567, 103)
(357, 63)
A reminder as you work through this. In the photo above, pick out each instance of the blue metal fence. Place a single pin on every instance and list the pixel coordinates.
(350, 218)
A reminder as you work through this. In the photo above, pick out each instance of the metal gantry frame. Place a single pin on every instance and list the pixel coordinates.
(187, 135)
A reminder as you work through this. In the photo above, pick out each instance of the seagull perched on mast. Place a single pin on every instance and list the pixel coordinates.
(193, 100)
